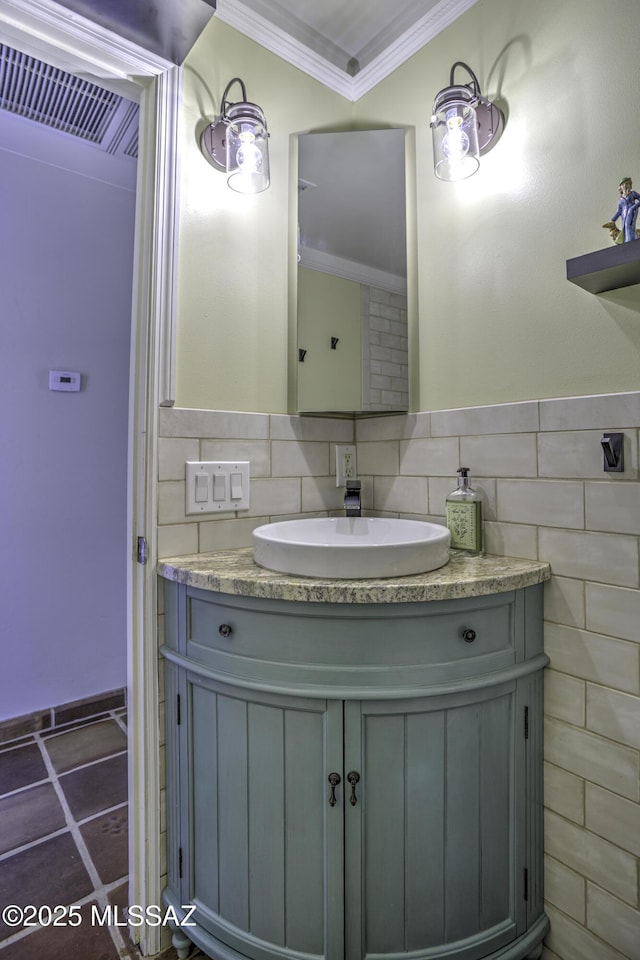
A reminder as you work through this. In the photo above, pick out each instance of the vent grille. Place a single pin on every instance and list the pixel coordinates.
(38, 91)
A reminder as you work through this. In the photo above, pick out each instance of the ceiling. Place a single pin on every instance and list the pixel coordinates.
(348, 46)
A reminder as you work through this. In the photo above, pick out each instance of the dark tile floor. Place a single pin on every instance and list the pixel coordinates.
(64, 840)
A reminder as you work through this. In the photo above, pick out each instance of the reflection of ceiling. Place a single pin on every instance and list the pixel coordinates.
(351, 204)
(349, 45)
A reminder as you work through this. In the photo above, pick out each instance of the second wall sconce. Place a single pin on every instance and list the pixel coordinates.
(237, 142)
(464, 124)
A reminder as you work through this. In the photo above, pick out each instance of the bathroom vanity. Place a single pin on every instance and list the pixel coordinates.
(354, 769)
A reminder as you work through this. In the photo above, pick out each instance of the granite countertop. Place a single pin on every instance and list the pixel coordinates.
(234, 572)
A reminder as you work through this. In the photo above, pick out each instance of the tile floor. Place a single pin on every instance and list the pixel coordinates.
(64, 839)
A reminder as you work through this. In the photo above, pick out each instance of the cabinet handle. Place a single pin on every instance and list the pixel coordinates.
(334, 780)
(468, 636)
(225, 630)
(353, 778)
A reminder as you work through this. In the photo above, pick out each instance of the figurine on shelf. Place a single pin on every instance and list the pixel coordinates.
(627, 211)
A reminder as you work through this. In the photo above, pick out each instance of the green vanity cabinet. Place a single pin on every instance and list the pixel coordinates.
(355, 780)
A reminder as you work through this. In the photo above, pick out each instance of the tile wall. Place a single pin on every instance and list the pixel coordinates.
(539, 467)
(385, 349)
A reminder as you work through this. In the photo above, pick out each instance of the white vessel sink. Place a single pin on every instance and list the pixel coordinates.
(351, 548)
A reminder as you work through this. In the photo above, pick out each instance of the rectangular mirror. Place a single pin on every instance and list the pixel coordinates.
(352, 273)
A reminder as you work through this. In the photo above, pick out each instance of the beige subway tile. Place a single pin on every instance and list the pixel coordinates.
(369, 429)
(303, 459)
(613, 610)
(613, 818)
(564, 697)
(400, 494)
(430, 458)
(549, 954)
(565, 888)
(291, 427)
(591, 856)
(613, 714)
(228, 534)
(603, 557)
(173, 453)
(588, 755)
(320, 494)
(605, 660)
(257, 452)
(178, 540)
(378, 458)
(171, 503)
(552, 503)
(439, 488)
(272, 497)
(564, 792)
(495, 418)
(604, 411)
(615, 922)
(578, 454)
(564, 601)
(614, 507)
(511, 540)
(502, 455)
(216, 424)
(570, 940)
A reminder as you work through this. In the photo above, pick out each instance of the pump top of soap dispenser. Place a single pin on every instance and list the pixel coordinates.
(463, 476)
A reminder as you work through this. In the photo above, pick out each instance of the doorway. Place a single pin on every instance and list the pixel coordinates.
(74, 45)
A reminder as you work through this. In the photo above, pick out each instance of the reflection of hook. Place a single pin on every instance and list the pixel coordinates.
(334, 342)
(301, 355)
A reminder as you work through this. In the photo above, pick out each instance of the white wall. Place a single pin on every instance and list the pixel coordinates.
(66, 253)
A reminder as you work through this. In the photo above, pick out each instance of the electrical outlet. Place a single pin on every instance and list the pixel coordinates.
(346, 468)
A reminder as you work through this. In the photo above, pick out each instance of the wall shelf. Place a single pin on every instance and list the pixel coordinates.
(609, 269)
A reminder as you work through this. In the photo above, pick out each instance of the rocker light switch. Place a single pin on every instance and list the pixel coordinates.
(202, 487)
(219, 486)
(216, 486)
(236, 486)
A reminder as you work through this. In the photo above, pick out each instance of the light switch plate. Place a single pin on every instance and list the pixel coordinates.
(221, 495)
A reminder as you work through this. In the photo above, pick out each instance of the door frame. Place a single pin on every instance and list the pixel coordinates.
(44, 29)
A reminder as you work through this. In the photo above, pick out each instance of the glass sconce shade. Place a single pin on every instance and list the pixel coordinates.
(247, 149)
(456, 154)
(238, 142)
(464, 126)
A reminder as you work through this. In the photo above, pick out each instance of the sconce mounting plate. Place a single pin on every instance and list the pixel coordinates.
(213, 144)
(490, 124)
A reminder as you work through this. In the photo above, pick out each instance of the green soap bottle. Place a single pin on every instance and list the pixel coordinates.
(464, 516)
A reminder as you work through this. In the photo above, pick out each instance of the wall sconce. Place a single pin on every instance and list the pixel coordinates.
(464, 124)
(238, 142)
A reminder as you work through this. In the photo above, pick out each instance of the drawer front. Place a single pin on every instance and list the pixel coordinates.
(372, 644)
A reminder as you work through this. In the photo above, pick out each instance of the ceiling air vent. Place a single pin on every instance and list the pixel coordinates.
(37, 91)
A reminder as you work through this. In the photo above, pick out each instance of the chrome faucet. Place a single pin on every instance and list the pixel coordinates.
(352, 505)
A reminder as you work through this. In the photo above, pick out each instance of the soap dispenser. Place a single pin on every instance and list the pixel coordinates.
(464, 516)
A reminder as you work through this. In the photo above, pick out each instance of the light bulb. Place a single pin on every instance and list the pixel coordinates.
(455, 143)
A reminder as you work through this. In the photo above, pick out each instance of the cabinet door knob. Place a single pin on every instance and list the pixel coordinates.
(334, 780)
(225, 630)
(353, 778)
(468, 635)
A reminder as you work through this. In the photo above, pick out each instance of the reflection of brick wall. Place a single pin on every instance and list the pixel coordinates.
(385, 370)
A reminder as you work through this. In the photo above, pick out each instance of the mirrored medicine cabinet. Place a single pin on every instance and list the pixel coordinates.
(351, 322)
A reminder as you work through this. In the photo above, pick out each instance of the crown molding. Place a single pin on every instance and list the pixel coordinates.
(237, 15)
(272, 38)
(350, 270)
(412, 40)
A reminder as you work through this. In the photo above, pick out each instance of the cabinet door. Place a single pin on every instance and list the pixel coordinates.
(265, 849)
(431, 853)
